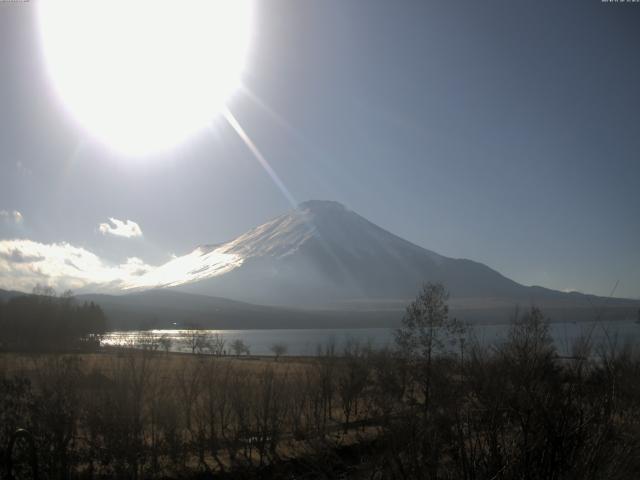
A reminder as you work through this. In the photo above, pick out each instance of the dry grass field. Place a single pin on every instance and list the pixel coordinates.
(427, 409)
(27, 364)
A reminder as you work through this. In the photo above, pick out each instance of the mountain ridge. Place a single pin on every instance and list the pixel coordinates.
(321, 264)
(323, 255)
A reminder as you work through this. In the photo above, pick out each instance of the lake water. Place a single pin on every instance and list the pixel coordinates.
(307, 341)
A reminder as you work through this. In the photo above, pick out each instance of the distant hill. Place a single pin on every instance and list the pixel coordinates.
(166, 309)
(169, 309)
(7, 294)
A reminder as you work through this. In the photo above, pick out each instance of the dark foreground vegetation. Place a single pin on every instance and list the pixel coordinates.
(43, 322)
(437, 406)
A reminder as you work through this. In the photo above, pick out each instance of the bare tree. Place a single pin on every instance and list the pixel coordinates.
(147, 341)
(427, 331)
(165, 342)
(216, 344)
(188, 379)
(269, 409)
(239, 347)
(352, 379)
(196, 340)
(278, 349)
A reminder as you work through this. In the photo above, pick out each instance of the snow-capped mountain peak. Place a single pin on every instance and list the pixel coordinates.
(321, 250)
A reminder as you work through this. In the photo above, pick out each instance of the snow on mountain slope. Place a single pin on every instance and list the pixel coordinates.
(325, 221)
(276, 238)
(198, 265)
(317, 254)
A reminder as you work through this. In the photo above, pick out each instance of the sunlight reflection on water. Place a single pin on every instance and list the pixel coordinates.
(306, 341)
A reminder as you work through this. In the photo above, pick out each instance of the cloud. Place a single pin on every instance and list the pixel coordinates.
(25, 263)
(11, 217)
(120, 228)
(16, 256)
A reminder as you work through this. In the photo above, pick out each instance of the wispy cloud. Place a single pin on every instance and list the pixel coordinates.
(13, 216)
(25, 263)
(120, 228)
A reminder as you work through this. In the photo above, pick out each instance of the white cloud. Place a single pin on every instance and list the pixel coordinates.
(120, 228)
(25, 263)
(13, 216)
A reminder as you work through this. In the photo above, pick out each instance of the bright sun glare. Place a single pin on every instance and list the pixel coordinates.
(143, 75)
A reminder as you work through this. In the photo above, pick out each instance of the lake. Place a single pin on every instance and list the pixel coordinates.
(306, 341)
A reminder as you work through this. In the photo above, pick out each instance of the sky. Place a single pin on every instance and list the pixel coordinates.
(504, 132)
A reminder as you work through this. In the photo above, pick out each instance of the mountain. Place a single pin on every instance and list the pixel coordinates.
(5, 295)
(323, 265)
(323, 255)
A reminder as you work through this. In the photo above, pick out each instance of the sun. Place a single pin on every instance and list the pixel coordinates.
(144, 75)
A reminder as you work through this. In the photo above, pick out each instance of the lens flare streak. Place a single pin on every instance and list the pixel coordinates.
(258, 155)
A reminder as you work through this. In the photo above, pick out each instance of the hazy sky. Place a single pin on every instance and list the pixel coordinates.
(505, 132)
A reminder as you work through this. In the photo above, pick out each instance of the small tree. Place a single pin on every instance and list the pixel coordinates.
(427, 331)
(239, 347)
(216, 344)
(529, 343)
(278, 349)
(352, 379)
(165, 343)
(197, 340)
(147, 341)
